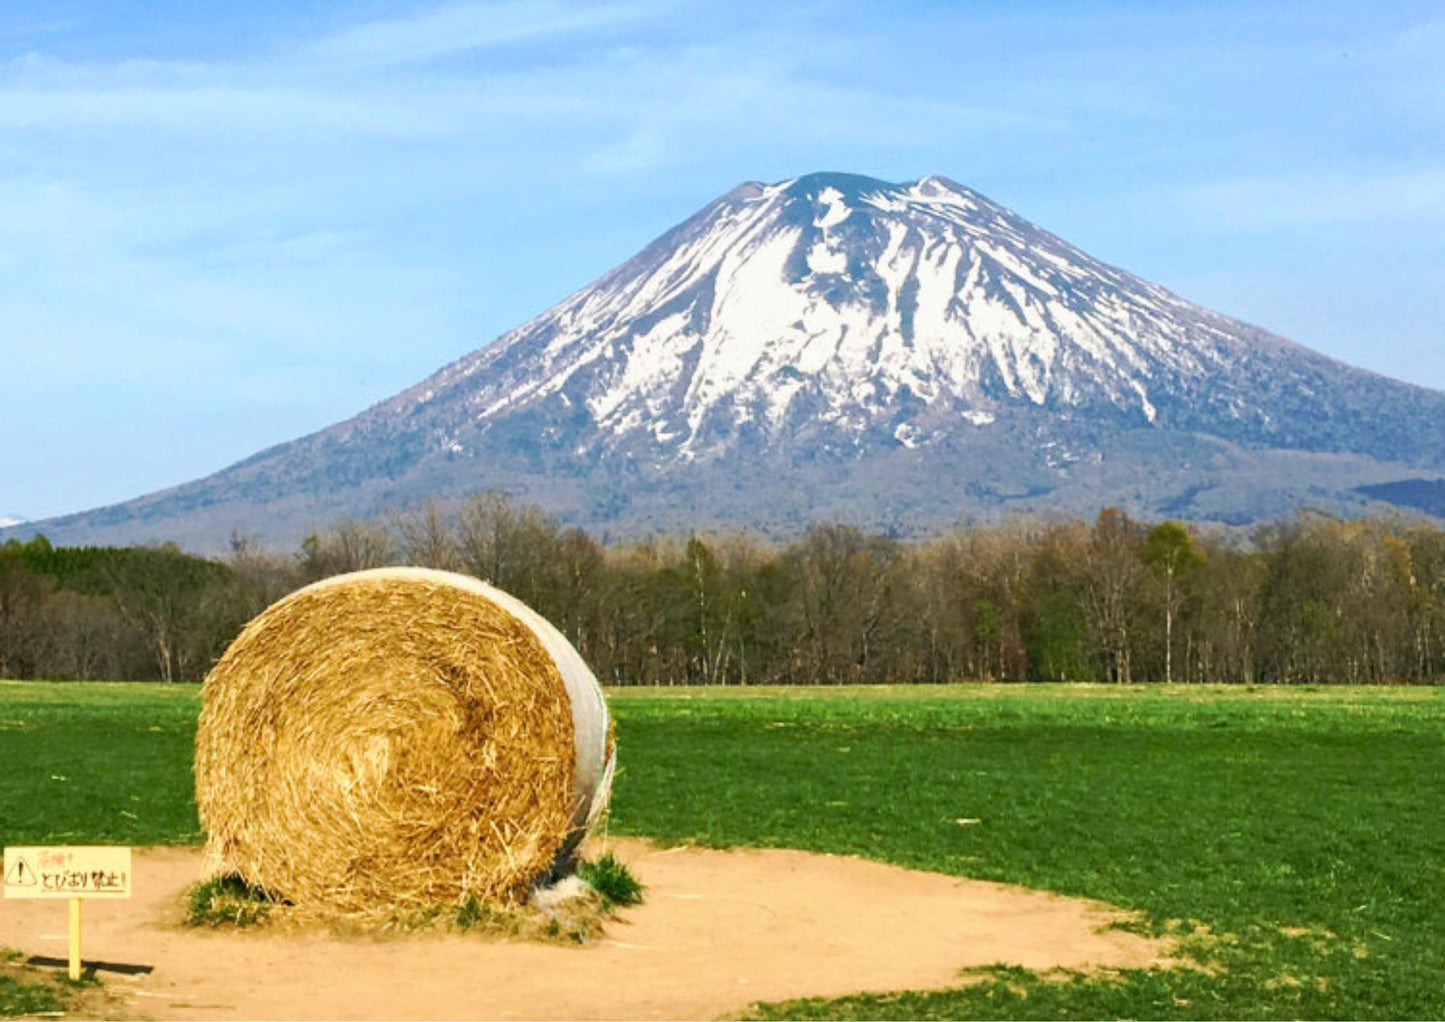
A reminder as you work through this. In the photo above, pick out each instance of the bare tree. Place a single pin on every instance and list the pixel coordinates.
(426, 538)
(1112, 578)
(509, 545)
(349, 545)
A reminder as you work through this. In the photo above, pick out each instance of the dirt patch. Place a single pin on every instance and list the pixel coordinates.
(719, 930)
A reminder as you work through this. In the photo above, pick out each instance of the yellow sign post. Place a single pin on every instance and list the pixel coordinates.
(71, 872)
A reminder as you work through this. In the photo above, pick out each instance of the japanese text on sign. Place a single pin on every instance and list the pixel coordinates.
(97, 871)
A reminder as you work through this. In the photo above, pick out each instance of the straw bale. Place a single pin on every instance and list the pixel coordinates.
(396, 739)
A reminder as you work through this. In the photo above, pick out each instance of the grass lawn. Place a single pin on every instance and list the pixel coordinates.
(97, 763)
(1295, 836)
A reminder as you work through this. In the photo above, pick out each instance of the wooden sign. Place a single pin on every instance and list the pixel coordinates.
(70, 872)
(80, 871)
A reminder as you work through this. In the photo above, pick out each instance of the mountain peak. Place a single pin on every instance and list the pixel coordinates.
(834, 345)
(866, 315)
(859, 191)
(850, 185)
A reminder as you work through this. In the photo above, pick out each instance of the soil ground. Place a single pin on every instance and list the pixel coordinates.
(718, 930)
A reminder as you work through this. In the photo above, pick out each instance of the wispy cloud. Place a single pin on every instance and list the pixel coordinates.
(219, 110)
(1265, 204)
(458, 29)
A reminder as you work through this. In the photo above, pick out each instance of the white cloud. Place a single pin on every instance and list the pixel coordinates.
(220, 110)
(451, 30)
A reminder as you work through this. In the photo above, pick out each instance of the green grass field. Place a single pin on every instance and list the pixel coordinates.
(1294, 837)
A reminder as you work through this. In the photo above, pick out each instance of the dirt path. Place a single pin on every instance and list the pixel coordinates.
(718, 931)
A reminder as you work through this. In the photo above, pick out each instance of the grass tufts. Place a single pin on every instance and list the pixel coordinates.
(474, 914)
(571, 923)
(26, 991)
(20, 996)
(227, 901)
(612, 881)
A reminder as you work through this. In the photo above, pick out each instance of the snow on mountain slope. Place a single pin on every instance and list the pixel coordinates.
(837, 346)
(852, 304)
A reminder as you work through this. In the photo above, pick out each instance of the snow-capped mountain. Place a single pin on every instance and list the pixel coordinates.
(9, 520)
(877, 314)
(836, 346)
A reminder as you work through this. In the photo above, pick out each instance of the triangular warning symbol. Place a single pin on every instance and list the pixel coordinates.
(21, 874)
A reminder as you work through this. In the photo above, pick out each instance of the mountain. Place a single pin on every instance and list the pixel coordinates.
(8, 520)
(904, 356)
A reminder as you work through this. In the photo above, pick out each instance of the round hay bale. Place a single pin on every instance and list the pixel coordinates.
(399, 738)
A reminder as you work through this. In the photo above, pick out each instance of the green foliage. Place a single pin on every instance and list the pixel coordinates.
(227, 901)
(1056, 636)
(110, 611)
(107, 569)
(27, 991)
(575, 926)
(28, 997)
(475, 914)
(612, 880)
(1170, 549)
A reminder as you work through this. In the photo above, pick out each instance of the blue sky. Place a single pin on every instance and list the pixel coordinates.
(226, 225)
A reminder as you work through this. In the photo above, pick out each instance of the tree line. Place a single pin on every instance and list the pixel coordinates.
(1312, 600)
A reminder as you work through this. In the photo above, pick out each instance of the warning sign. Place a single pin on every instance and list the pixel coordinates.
(79, 871)
(21, 874)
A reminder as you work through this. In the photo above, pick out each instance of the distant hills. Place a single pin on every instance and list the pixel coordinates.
(902, 356)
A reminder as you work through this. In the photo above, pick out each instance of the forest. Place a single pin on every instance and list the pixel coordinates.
(1312, 600)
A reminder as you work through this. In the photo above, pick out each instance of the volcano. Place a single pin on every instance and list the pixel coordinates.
(835, 347)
